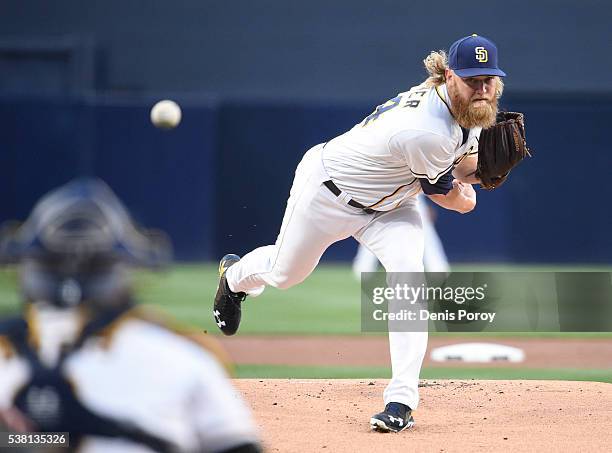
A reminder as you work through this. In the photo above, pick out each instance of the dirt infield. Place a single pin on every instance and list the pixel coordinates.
(374, 351)
(454, 416)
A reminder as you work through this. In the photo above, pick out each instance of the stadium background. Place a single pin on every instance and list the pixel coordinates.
(260, 83)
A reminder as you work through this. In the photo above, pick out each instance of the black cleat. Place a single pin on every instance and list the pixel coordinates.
(395, 418)
(227, 303)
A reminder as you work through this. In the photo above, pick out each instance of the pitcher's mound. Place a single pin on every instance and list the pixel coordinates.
(333, 415)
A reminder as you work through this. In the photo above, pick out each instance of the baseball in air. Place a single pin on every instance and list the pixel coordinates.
(166, 114)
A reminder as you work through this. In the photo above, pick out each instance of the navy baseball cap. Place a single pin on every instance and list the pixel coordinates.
(474, 56)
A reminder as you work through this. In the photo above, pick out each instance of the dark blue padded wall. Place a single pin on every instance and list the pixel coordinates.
(560, 206)
(553, 207)
(38, 150)
(166, 179)
(260, 147)
(550, 210)
(220, 181)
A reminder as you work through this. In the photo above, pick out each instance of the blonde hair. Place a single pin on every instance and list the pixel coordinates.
(436, 64)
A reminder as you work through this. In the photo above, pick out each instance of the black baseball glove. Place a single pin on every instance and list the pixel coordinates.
(500, 148)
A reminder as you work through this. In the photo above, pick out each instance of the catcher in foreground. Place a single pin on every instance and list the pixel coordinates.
(364, 184)
(83, 358)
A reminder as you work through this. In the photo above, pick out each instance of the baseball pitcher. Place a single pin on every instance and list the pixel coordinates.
(438, 138)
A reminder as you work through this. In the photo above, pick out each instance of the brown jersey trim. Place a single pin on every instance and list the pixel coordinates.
(393, 193)
(445, 101)
(6, 347)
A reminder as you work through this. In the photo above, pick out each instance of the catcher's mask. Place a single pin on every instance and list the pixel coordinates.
(77, 245)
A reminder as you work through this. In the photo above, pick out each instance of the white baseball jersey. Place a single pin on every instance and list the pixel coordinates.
(137, 374)
(379, 161)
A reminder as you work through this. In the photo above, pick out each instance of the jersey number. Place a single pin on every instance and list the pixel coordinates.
(391, 103)
(382, 108)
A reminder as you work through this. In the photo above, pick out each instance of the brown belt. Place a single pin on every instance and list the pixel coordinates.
(336, 191)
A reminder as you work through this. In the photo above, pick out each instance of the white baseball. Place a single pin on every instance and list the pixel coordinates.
(166, 114)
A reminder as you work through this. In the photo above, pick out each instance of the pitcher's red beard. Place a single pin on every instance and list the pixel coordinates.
(474, 114)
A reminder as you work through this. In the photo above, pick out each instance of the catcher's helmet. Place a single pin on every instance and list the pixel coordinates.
(76, 244)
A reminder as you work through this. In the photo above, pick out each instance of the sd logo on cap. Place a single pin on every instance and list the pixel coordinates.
(474, 56)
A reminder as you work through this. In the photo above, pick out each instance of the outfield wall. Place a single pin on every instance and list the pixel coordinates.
(220, 181)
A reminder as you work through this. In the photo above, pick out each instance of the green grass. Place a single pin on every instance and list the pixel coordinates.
(543, 267)
(9, 299)
(307, 372)
(558, 374)
(310, 372)
(582, 335)
(327, 303)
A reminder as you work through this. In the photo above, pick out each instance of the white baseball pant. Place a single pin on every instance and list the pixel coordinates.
(314, 219)
(434, 256)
